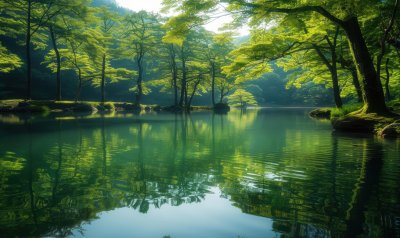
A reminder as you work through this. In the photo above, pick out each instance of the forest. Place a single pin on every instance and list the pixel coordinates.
(337, 53)
(139, 118)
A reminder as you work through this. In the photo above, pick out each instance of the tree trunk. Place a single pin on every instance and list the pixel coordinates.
(28, 53)
(79, 89)
(103, 78)
(349, 65)
(58, 77)
(356, 84)
(333, 71)
(139, 81)
(175, 83)
(335, 80)
(189, 104)
(213, 83)
(186, 95)
(183, 83)
(374, 100)
(174, 72)
(336, 90)
(383, 50)
(387, 90)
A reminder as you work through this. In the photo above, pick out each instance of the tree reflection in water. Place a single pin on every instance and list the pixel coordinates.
(56, 174)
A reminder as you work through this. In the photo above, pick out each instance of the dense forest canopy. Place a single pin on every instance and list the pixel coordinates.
(297, 53)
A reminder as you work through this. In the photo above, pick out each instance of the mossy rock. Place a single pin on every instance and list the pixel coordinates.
(221, 108)
(391, 131)
(30, 107)
(364, 123)
(6, 109)
(173, 109)
(106, 107)
(109, 107)
(127, 107)
(353, 124)
(83, 107)
(157, 108)
(321, 113)
(136, 108)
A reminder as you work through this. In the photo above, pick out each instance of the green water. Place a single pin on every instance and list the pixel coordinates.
(258, 173)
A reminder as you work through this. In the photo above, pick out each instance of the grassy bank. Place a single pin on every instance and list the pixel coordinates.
(43, 106)
(46, 107)
(348, 119)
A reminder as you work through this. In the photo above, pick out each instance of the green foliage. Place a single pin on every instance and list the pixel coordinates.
(301, 22)
(142, 36)
(8, 61)
(242, 98)
(346, 109)
(176, 54)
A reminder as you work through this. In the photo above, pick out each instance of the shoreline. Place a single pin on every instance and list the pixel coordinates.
(341, 120)
(59, 107)
(354, 122)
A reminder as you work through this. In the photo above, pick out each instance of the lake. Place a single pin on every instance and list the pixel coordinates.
(254, 173)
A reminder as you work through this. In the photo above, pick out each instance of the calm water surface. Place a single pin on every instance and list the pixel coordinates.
(258, 173)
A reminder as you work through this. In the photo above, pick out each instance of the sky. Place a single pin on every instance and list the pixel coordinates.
(155, 6)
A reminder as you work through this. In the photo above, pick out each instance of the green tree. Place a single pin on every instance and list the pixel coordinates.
(345, 14)
(107, 25)
(242, 98)
(28, 18)
(217, 56)
(78, 54)
(59, 26)
(168, 70)
(8, 61)
(143, 36)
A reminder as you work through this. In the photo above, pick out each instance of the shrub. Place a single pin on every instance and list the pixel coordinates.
(346, 109)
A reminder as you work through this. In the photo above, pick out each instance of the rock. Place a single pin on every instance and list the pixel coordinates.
(157, 108)
(391, 131)
(127, 107)
(136, 108)
(364, 123)
(221, 108)
(321, 113)
(354, 124)
(82, 107)
(6, 109)
(109, 107)
(173, 109)
(23, 104)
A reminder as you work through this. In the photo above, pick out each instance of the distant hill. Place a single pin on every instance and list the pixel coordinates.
(241, 39)
(104, 2)
(112, 4)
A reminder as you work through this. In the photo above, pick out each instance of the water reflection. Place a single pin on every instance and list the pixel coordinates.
(278, 164)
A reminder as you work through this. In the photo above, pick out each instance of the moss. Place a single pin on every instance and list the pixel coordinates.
(390, 131)
(365, 123)
(19, 105)
(394, 106)
(321, 113)
(200, 108)
(106, 107)
(345, 110)
(173, 109)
